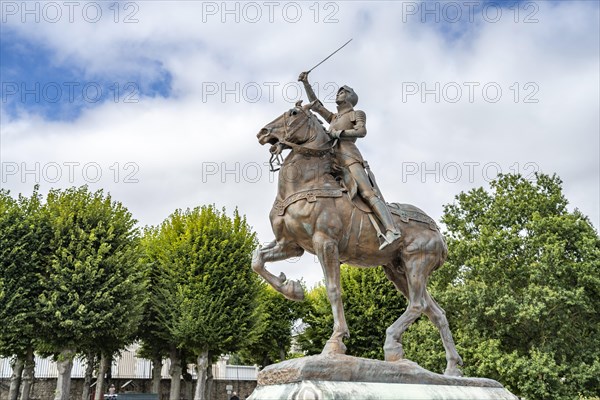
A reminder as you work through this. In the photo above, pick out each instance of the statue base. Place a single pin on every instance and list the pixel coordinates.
(344, 377)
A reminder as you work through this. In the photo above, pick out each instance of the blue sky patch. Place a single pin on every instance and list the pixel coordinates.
(32, 81)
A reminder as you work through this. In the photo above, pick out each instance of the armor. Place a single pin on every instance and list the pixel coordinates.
(347, 125)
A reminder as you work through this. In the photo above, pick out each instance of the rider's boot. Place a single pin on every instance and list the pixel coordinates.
(383, 213)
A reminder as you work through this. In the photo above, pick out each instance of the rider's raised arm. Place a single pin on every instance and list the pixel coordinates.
(360, 125)
(318, 107)
(309, 91)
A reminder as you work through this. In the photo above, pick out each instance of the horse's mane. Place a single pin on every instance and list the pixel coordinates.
(316, 120)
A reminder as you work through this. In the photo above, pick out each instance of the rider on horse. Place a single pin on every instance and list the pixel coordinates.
(347, 125)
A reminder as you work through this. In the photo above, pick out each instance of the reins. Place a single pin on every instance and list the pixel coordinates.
(300, 149)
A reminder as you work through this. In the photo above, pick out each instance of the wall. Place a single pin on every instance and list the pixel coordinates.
(43, 389)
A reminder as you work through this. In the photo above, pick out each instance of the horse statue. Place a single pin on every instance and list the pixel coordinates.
(314, 213)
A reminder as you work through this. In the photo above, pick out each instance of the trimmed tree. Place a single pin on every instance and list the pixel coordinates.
(272, 338)
(209, 291)
(24, 235)
(93, 287)
(160, 311)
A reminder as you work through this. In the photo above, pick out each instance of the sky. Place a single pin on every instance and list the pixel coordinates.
(159, 102)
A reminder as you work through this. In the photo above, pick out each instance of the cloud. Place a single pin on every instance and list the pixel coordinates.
(196, 143)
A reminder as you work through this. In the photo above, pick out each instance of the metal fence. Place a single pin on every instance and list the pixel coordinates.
(129, 366)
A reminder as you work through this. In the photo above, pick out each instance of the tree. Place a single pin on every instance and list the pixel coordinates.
(522, 289)
(24, 235)
(208, 290)
(371, 304)
(93, 286)
(272, 337)
(161, 309)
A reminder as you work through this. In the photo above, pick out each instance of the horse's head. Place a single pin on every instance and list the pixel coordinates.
(296, 126)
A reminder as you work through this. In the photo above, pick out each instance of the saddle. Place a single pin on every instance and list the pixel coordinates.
(349, 188)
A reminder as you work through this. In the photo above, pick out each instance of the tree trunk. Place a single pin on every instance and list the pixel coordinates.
(175, 372)
(64, 366)
(28, 372)
(265, 361)
(15, 379)
(188, 385)
(201, 365)
(209, 382)
(156, 375)
(89, 372)
(104, 365)
(282, 353)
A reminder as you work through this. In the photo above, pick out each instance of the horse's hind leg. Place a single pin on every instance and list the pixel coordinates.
(393, 342)
(438, 317)
(413, 286)
(276, 251)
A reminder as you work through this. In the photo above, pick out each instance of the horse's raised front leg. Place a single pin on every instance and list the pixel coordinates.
(327, 251)
(276, 251)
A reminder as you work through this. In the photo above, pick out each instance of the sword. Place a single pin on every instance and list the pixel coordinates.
(325, 59)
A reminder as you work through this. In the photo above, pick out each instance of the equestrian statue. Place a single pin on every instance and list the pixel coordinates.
(328, 204)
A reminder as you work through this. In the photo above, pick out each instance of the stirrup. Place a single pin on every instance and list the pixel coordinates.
(389, 238)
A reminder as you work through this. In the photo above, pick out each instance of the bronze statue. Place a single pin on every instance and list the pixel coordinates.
(314, 213)
(347, 125)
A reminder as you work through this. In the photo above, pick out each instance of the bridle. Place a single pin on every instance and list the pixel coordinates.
(288, 134)
(277, 159)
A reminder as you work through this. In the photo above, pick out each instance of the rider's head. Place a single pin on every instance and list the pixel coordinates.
(346, 93)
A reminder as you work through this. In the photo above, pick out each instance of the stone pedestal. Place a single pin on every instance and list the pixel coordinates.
(344, 377)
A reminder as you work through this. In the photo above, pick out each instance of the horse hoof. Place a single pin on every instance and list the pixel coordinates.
(393, 357)
(293, 290)
(393, 354)
(453, 371)
(334, 346)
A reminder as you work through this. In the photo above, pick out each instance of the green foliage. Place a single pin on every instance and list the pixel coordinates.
(521, 289)
(24, 235)
(272, 336)
(93, 287)
(422, 344)
(371, 304)
(156, 341)
(206, 291)
(318, 319)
